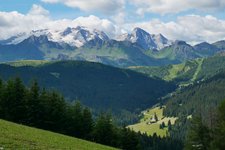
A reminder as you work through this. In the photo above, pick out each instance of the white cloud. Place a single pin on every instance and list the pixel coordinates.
(191, 28)
(38, 10)
(12, 23)
(176, 6)
(106, 6)
(91, 22)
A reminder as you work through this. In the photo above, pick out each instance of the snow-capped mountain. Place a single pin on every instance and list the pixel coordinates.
(161, 41)
(81, 43)
(77, 37)
(137, 48)
(81, 36)
(145, 40)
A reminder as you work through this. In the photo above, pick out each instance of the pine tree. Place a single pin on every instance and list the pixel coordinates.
(54, 107)
(169, 125)
(34, 108)
(88, 123)
(77, 119)
(103, 131)
(163, 125)
(198, 137)
(1, 97)
(156, 117)
(130, 140)
(14, 101)
(219, 133)
(43, 109)
(160, 126)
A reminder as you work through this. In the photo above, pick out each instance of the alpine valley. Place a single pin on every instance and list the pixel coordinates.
(140, 91)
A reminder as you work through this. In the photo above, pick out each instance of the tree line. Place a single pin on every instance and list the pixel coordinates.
(48, 110)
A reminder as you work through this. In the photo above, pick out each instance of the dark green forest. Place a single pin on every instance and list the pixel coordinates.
(198, 98)
(198, 103)
(96, 85)
(103, 88)
(204, 136)
(48, 110)
(118, 95)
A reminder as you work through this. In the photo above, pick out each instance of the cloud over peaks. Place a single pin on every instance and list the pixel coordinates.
(176, 6)
(12, 23)
(191, 28)
(105, 6)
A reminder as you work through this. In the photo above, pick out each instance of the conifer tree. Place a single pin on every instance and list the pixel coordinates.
(103, 131)
(14, 101)
(88, 123)
(34, 108)
(198, 137)
(169, 125)
(77, 119)
(219, 133)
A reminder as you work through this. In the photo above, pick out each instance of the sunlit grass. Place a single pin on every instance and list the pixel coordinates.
(14, 136)
(150, 129)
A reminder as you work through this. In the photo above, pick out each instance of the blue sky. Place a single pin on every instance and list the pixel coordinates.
(190, 20)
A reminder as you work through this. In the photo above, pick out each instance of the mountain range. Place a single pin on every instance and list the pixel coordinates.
(139, 48)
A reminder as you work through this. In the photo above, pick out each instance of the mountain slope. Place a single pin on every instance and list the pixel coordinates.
(98, 86)
(178, 52)
(198, 98)
(15, 136)
(145, 40)
(188, 72)
(205, 49)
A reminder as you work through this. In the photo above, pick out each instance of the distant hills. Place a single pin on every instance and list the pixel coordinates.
(188, 72)
(139, 48)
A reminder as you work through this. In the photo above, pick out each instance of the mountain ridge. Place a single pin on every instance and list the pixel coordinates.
(139, 48)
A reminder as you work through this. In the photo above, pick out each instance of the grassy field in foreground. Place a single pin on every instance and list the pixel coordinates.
(150, 129)
(14, 136)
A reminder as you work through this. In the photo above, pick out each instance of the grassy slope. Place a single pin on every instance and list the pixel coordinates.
(165, 53)
(200, 61)
(187, 72)
(184, 73)
(14, 136)
(33, 63)
(150, 129)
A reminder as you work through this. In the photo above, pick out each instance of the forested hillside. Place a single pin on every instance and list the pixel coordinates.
(48, 110)
(98, 86)
(201, 99)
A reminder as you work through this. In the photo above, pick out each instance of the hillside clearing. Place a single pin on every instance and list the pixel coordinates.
(144, 127)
